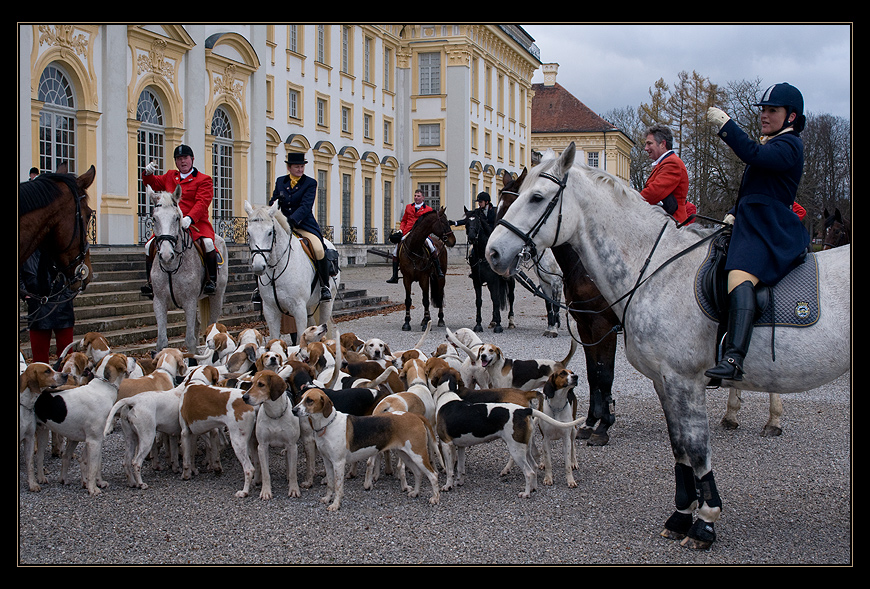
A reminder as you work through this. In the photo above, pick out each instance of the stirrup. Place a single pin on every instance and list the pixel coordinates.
(209, 288)
(147, 291)
(727, 369)
(325, 293)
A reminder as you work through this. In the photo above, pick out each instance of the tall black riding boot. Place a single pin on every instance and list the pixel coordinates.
(149, 262)
(437, 263)
(394, 279)
(323, 273)
(210, 287)
(741, 318)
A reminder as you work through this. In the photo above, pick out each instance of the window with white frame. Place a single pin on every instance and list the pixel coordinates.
(430, 73)
(150, 139)
(57, 121)
(222, 165)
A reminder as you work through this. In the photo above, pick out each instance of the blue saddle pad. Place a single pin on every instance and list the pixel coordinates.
(794, 300)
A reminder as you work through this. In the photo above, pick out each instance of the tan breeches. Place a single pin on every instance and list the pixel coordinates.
(316, 244)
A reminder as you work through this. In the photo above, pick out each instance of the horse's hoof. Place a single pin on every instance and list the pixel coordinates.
(597, 439)
(406, 327)
(729, 423)
(701, 536)
(478, 327)
(498, 329)
(771, 431)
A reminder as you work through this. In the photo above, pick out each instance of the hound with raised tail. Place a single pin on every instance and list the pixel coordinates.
(560, 403)
(343, 438)
(277, 427)
(503, 372)
(36, 378)
(461, 423)
(146, 415)
(79, 414)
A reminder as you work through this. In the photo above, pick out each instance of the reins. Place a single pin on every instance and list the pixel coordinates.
(530, 251)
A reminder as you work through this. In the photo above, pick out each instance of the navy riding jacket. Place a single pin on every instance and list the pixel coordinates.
(768, 239)
(297, 203)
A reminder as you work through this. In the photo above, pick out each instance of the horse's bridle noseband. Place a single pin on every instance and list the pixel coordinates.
(529, 249)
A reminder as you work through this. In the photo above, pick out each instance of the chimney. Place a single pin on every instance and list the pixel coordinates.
(550, 71)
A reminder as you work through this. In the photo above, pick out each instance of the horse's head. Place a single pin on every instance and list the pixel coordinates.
(168, 232)
(474, 227)
(265, 225)
(445, 232)
(534, 219)
(509, 192)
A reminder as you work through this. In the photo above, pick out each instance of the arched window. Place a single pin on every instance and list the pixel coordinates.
(149, 148)
(57, 123)
(222, 165)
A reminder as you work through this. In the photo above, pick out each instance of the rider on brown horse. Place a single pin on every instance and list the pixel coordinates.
(413, 211)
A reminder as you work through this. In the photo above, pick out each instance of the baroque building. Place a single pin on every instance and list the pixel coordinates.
(378, 111)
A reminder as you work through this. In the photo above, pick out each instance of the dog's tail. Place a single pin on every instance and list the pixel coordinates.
(563, 424)
(463, 347)
(110, 420)
(432, 442)
(336, 369)
(419, 345)
(570, 353)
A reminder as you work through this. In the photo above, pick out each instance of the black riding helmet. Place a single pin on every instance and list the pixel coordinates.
(789, 97)
(483, 197)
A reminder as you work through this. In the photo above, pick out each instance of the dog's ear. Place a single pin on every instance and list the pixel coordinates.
(277, 386)
(328, 407)
(549, 388)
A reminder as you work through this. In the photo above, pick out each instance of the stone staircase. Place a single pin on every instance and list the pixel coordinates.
(112, 303)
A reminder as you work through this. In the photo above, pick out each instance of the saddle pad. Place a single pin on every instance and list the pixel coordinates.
(794, 299)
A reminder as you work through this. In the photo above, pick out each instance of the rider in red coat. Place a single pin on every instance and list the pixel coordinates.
(669, 182)
(413, 211)
(197, 192)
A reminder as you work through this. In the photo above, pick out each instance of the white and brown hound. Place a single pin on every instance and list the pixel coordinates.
(560, 403)
(36, 378)
(343, 438)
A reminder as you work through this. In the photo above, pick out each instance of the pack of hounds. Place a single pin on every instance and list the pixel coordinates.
(345, 399)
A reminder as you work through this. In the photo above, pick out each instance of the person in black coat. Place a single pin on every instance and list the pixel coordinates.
(295, 194)
(768, 240)
(49, 306)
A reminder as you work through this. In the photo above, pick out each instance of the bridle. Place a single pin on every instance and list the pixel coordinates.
(529, 250)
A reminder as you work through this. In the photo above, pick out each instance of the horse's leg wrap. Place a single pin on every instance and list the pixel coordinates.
(685, 500)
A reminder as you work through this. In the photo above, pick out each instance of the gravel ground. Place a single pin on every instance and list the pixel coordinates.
(787, 500)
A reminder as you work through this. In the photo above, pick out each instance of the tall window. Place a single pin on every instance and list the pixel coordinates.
(430, 73)
(388, 207)
(431, 194)
(57, 123)
(388, 68)
(222, 165)
(149, 148)
(346, 192)
(321, 44)
(322, 189)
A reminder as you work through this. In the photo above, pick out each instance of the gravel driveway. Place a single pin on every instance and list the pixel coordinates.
(787, 500)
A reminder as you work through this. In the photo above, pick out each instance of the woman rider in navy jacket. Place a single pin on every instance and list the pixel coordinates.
(767, 240)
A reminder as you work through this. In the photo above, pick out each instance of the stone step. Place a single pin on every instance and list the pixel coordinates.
(114, 306)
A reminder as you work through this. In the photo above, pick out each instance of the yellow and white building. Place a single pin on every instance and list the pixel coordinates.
(378, 110)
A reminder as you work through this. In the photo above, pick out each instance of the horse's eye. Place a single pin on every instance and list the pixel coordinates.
(537, 197)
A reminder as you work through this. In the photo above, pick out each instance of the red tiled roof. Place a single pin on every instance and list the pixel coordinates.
(555, 110)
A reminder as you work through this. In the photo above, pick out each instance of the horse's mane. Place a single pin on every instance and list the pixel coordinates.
(261, 213)
(620, 190)
(43, 190)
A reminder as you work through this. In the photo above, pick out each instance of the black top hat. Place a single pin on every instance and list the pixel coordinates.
(296, 158)
(182, 150)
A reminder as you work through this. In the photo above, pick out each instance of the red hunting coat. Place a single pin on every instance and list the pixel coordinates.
(197, 192)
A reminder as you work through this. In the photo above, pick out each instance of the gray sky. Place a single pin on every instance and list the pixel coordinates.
(609, 66)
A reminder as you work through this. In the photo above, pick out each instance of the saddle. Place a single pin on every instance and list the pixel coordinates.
(330, 254)
(792, 302)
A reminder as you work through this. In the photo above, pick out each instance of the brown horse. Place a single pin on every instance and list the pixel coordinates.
(838, 230)
(53, 215)
(416, 264)
(597, 327)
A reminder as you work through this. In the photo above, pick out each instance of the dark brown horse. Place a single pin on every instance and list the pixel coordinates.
(53, 215)
(838, 230)
(597, 327)
(416, 264)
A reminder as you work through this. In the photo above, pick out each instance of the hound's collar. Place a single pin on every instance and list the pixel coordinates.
(320, 431)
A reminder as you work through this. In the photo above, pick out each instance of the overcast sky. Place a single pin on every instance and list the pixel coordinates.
(614, 66)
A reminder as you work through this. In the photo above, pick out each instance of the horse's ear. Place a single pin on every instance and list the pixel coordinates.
(566, 160)
(523, 175)
(151, 195)
(506, 178)
(176, 195)
(86, 179)
(248, 208)
(274, 208)
(466, 209)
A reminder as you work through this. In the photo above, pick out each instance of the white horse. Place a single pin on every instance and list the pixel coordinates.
(628, 247)
(286, 276)
(177, 277)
